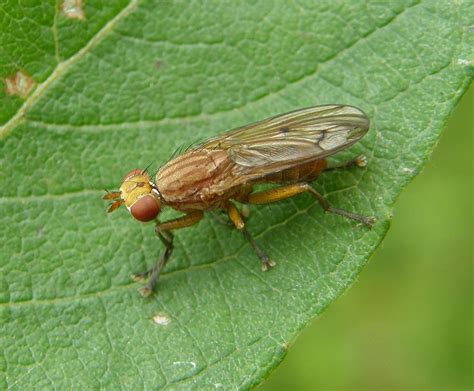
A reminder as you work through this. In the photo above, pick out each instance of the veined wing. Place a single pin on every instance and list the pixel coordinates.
(287, 140)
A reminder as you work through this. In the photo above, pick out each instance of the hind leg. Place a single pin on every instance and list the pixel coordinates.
(287, 191)
(359, 161)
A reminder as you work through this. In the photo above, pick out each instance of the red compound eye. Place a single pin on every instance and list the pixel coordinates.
(146, 208)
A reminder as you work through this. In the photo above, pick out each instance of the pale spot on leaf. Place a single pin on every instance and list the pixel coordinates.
(465, 62)
(161, 320)
(72, 9)
(18, 84)
(192, 364)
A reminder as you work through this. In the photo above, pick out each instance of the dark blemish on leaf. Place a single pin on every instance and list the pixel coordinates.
(285, 130)
(159, 64)
(72, 9)
(19, 84)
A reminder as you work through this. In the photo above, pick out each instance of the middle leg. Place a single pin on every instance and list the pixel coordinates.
(236, 218)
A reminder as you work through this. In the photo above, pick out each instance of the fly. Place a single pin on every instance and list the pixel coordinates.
(289, 150)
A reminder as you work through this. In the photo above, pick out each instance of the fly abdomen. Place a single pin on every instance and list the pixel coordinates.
(304, 172)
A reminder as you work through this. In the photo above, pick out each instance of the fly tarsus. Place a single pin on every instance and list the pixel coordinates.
(266, 262)
(359, 161)
(368, 221)
(153, 274)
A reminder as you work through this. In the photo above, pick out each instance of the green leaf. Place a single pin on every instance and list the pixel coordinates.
(90, 95)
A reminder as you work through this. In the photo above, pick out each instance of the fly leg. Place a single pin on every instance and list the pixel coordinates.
(220, 218)
(266, 262)
(244, 212)
(163, 232)
(238, 222)
(358, 161)
(166, 238)
(287, 191)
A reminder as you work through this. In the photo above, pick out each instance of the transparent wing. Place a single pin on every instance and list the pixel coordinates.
(287, 140)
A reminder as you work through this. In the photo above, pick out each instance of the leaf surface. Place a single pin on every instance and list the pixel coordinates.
(123, 87)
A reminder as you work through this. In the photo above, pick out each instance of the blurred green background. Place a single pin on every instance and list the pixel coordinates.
(407, 323)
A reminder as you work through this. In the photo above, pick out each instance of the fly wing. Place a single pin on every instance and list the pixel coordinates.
(288, 140)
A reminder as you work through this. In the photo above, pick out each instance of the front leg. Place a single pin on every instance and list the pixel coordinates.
(166, 238)
(187, 220)
(163, 232)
